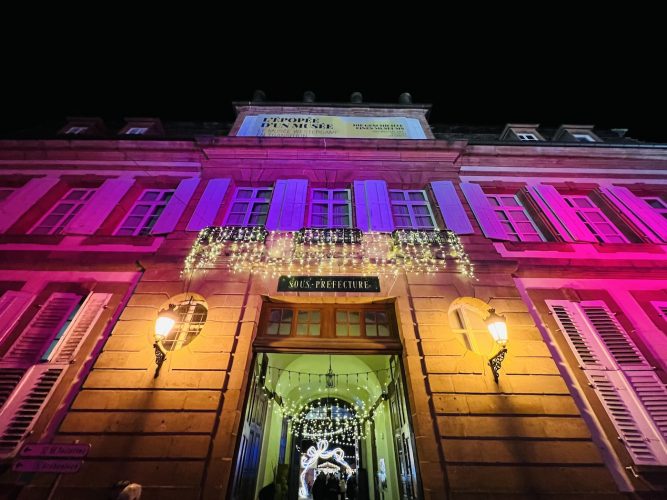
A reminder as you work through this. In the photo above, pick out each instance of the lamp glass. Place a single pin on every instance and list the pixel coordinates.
(497, 327)
(166, 320)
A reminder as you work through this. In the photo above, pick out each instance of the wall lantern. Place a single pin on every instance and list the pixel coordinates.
(166, 319)
(498, 330)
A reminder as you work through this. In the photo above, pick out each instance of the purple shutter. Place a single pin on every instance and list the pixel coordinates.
(486, 217)
(288, 205)
(451, 208)
(360, 206)
(561, 215)
(42, 329)
(209, 204)
(98, 208)
(22, 199)
(373, 206)
(276, 205)
(638, 211)
(174, 209)
(12, 306)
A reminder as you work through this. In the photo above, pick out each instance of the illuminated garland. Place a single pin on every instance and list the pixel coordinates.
(324, 251)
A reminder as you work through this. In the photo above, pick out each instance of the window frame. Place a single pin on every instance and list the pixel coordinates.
(140, 228)
(136, 131)
(583, 137)
(524, 136)
(65, 218)
(507, 210)
(251, 202)
(582, 212)
(331, 202)
(662, 211)
(409, 204)
(77, 130)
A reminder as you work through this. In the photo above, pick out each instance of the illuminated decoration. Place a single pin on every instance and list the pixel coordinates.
(498, 329)
(312, 455)
(331, 378)
(326, 251)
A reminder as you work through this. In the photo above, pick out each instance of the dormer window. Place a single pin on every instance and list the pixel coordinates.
(524, 132)
(76, 130)
(583, 137)
(136, 131)
(527, 136)
(575, 133)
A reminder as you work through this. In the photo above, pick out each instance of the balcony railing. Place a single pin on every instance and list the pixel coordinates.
(324, 251)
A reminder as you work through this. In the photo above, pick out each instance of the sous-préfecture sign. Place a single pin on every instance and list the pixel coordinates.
(328, 284)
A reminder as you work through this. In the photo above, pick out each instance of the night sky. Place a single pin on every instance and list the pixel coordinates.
(610, 80)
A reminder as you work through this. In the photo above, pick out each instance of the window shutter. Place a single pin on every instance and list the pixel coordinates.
(98, 208)
(22, 199)
(661, 308)
(82, 324)
(451, 207)
(174, 209)
(288, 205)
(44, 326)
(483, 211)
(561, 215)
(634, 397)
(9, 379)
(12, 306)
(209, 204)
(24, 406)
(373, 207)
(639, 212)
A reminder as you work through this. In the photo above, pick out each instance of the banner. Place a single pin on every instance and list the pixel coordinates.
(341, 127)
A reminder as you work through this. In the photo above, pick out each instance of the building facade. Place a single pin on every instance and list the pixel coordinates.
(332, 272)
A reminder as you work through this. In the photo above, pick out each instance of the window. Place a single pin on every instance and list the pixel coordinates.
(281, 322)
(526, 136)
(330, 208)
(596, 221)
(136, 130)
(5, 192)
(145, 212)
(60, 215)
(192, 316)
(657, 204)
(250, 207)
(76, 130)
(514, 218)
(583, 137)
(411, 209)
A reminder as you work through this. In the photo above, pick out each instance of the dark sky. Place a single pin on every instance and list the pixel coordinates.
(611, 79)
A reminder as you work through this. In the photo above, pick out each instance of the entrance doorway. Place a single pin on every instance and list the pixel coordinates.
(318, 422)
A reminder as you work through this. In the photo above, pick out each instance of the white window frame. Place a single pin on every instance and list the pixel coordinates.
(662, 211)
(410, 204)
(252, 201)
(136, 131)
(583, 214)
(527, 136)
(330, 202)
(66, 216)
(76, 130)
(583, 137)
(148, 220)
(510, 225)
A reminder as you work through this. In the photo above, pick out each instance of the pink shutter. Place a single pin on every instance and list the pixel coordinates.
(639, 212)
(634, 397)
(276, 205)
(22, 199)
(9, 379)
(42, 329)
(12, 306)
(361, 208)
(486, 217)
(451, 207)
(174, 209)
(209, 204)
(373, 206)
(23, 407)
(288, 205)
(98, 208)
(81, 325)
(561, 215)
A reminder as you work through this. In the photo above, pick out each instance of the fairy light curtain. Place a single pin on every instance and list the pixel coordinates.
(272, 253)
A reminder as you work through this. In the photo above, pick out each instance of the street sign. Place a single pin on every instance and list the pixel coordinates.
(41, 465)
(55, 450)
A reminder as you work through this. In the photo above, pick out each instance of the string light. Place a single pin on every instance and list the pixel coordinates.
(270, 254)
